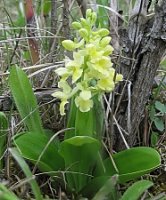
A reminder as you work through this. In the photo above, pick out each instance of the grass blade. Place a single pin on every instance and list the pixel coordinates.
(6, 194)
(27, 172)
(3, 132)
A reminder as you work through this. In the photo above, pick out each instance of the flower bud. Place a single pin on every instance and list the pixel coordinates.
(103, 32)
(83, 33)
(84, 23)
(76, 25)
(108, 50)
(94, 17)
(68, 45)
(88, 13)
(105, 41)
(119, 77)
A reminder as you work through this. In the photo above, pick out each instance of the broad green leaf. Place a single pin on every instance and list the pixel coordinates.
(6, 194)
(80, 154)
(36, 147)
(108, 189)
(25, 99)
(3, 136)
(131, 163)
(27, 172)
(159, 123)
(160, 106)
(135, 191)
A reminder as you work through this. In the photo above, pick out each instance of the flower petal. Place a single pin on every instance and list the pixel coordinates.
(83, 105)
(62, 107)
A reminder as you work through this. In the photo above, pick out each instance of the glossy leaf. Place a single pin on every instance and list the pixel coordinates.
(27, 172)
(135, 191)
(3, 136)
(80, 154)
(131, 163)
(25, 99)
(33, 146)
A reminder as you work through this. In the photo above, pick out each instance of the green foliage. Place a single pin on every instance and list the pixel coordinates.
(80, 154)
(157, 111)
(102, 15)
(108, 190)
(154, 138)
(27, 172)
(93, 120)
(3, 136)
(44, 152)
(25, 100)
(131, 163)
(6, 194)
(136, 190)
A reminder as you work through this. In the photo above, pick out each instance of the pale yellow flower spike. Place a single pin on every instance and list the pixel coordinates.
(90, 70)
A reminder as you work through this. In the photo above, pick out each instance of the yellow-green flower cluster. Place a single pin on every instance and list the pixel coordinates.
(90, 71)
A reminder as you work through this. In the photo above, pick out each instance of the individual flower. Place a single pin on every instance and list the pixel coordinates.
(75, 67)
(63, 95)
(101, 64)
(84, 101)
(106, 84)
(119, 77)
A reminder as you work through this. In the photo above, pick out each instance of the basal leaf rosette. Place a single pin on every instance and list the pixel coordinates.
(90, 71)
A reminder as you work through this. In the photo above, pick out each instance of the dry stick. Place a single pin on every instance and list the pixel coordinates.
(14, 51)
(47, 65)
(129, 108)
(11, 132)
(27, 37)
(47, 68)
(117, 124)
(109, 137)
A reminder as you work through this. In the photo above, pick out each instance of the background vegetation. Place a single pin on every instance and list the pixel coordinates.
(31, 33)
